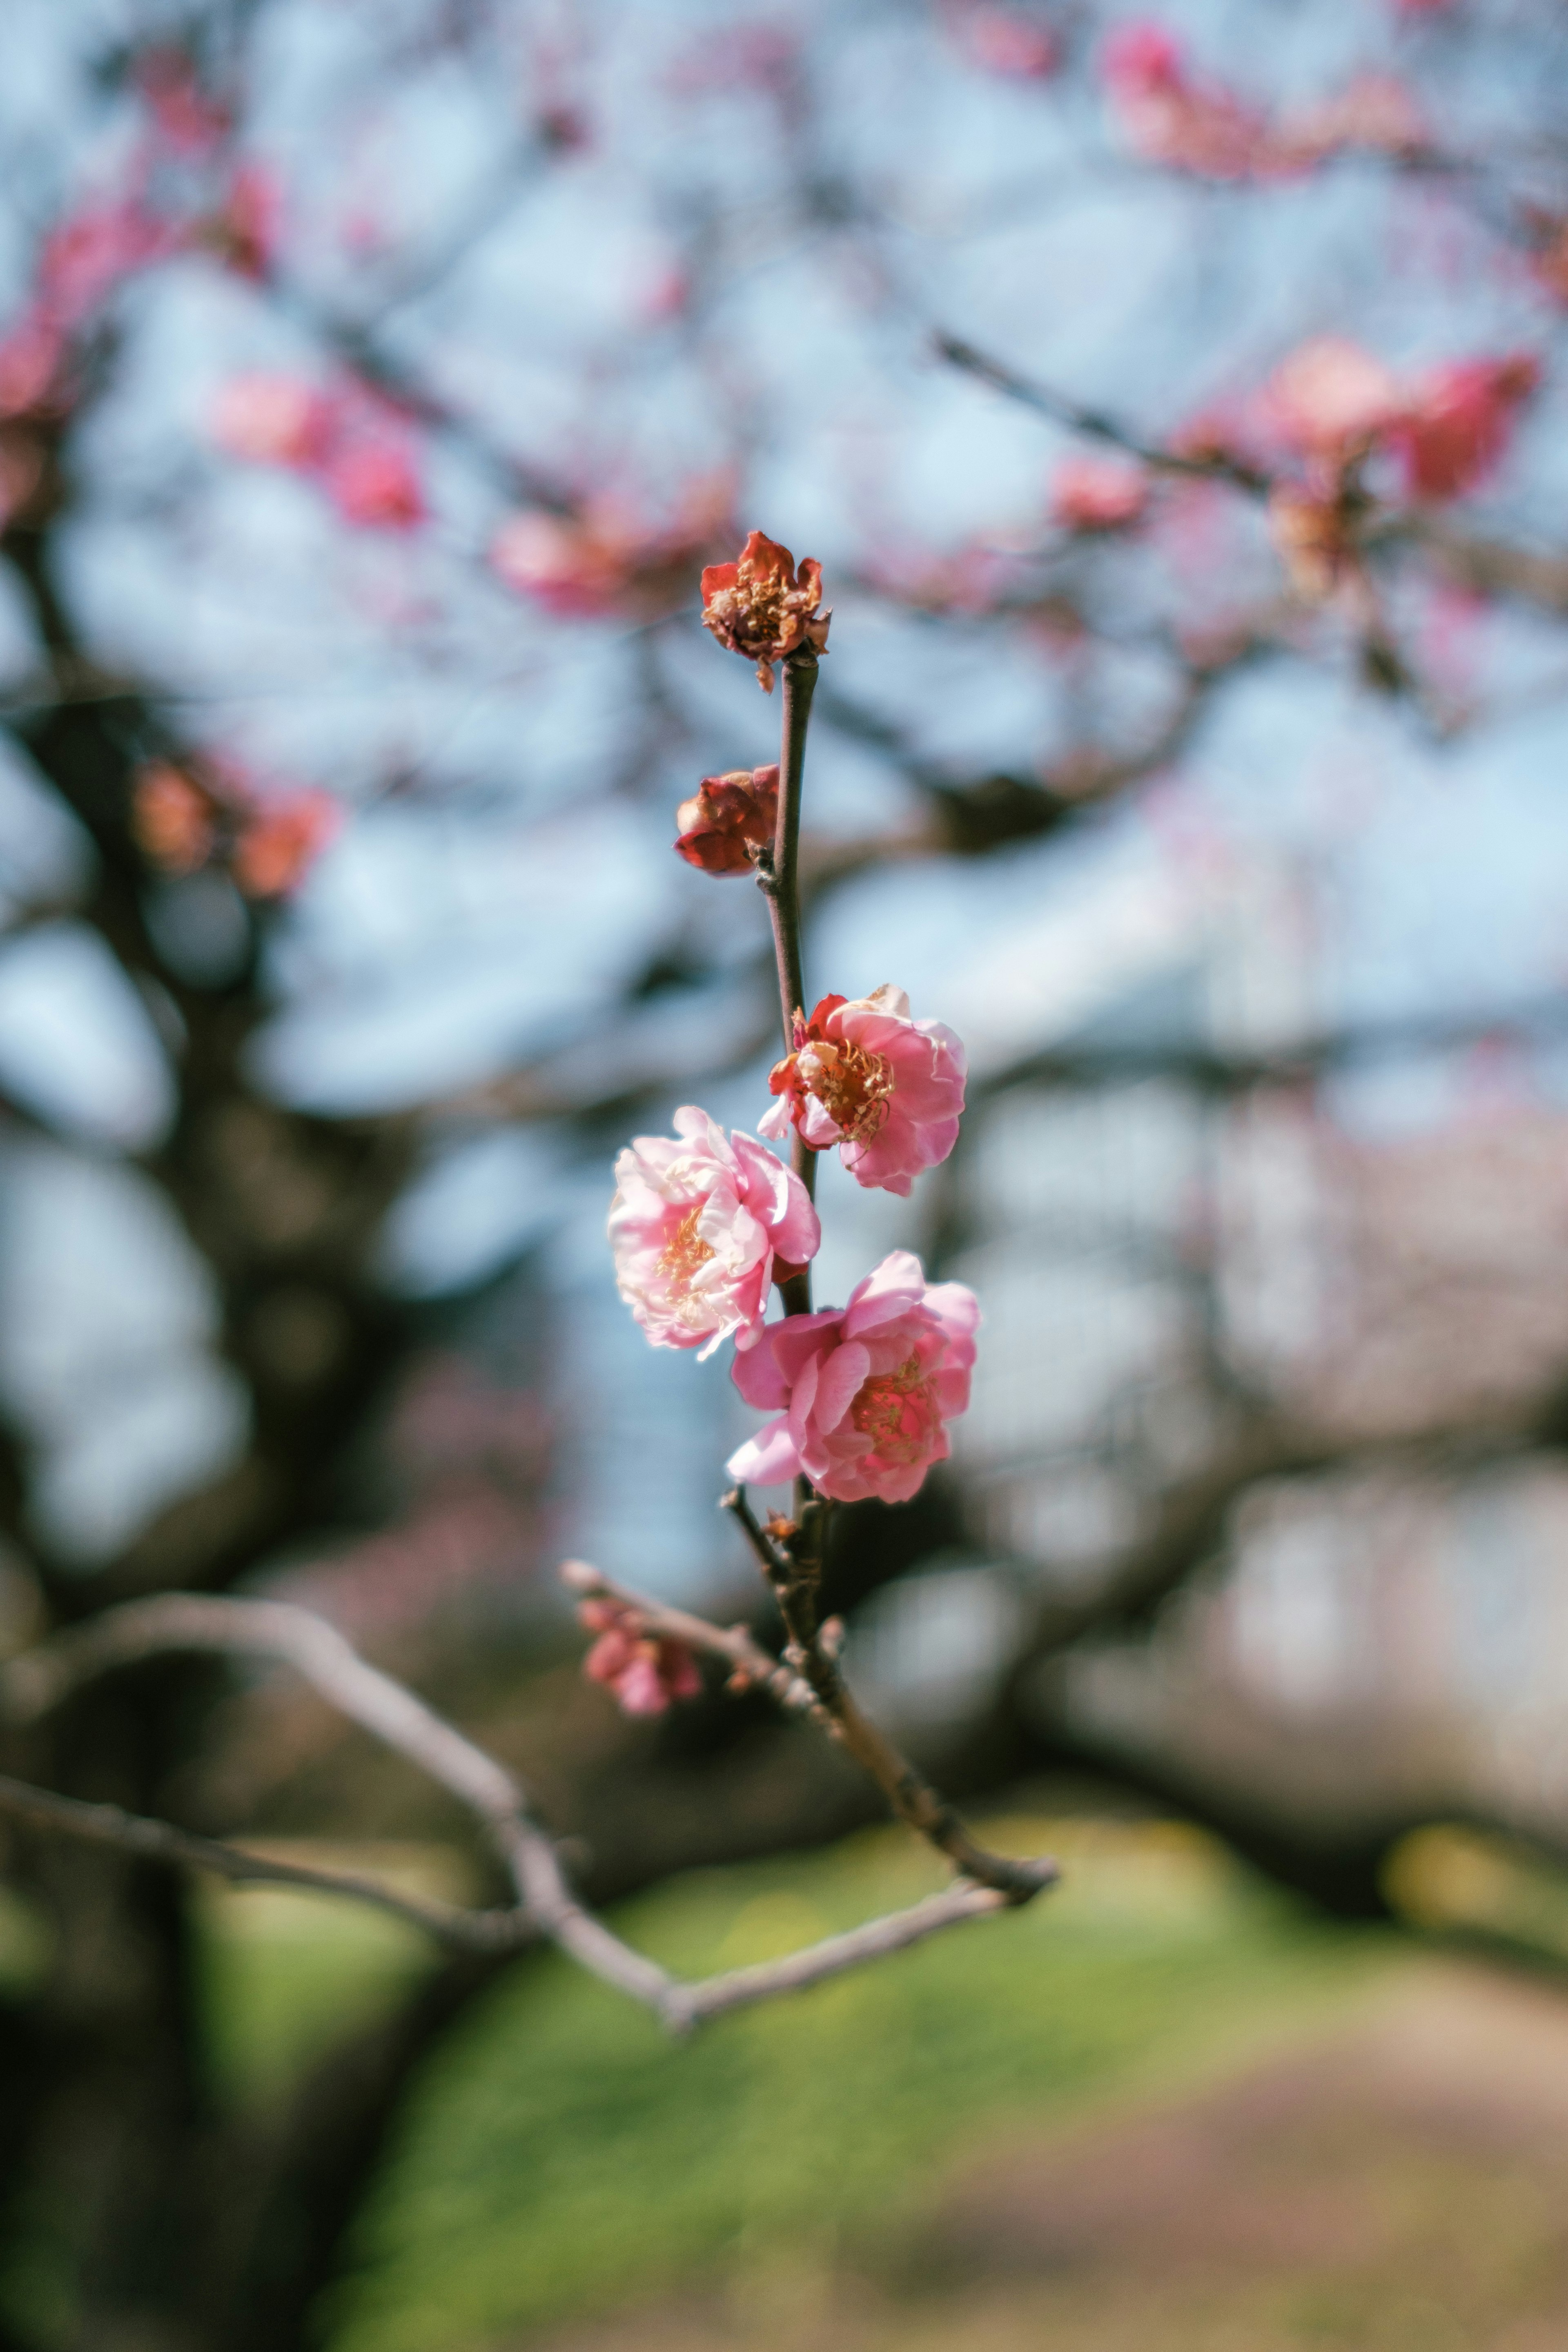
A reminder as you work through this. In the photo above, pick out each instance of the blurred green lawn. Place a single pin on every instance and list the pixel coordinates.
(562, 2156)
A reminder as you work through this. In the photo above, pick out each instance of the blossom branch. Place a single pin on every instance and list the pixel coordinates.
(744, 1655)
(780, 883)
(32, 1684)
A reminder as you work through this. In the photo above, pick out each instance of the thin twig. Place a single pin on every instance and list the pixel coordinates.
(1093, 422)
(745, 1655)
(780, 881)
(155, 1841)
(894, 1933)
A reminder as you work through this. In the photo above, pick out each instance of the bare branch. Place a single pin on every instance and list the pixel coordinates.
(1092, 422)
(40, 1679)
(154, 1841)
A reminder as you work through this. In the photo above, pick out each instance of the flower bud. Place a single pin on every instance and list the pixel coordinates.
(726, 818)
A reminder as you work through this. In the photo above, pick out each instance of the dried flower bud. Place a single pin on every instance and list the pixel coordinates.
(726, 818)
(758, 607)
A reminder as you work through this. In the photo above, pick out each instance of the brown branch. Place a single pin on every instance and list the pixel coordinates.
(779, 881)
(38, 1680)
(155, 1841)
(738, 1647)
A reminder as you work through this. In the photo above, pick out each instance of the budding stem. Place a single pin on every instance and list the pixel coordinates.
(781, 887)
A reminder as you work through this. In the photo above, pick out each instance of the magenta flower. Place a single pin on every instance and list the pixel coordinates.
(885, 1089)
(868, 1389)
(701, 1228)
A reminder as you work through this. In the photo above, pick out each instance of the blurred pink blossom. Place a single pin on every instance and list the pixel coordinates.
(1168, 117)
(1099, 493)
(867, 1390)
(279, 844)
(701, 1228)
(244, 230)
(569, 567)
(1006, 41)
(31, 354)
(273, 420)
(1329, 396)
(1457, 420)
(645, 1671)
(375, 481)
(885, 1089)
(87, 254)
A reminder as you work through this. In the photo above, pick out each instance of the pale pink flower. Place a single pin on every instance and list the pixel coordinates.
(645, 1670)
(1099, 493)
(1006, 41)
(569, 568)
(375, 482)
(1168, 116)
(90, 252)
(1331, 397)
(272, 420)
(31, 356)
(866, 1390)
(701, 1228)
(885, 1089)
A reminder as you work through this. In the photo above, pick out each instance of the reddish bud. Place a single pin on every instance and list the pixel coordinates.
(1457, 422)
(759, 607)
(726, 818)
(281, 842)
(173, 821)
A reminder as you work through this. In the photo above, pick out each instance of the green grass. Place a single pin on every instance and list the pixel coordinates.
(562, 2156)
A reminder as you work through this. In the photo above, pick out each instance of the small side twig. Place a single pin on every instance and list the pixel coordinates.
(155, 1841)
(1092, 423)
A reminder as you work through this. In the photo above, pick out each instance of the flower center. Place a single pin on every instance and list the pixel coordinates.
(895, 1410)
(852, 1086)
(684, 1253)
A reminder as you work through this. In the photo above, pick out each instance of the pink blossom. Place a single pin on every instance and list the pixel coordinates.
(375, 482)
(1169, 117)
(1098, 493)
(569, 568)
(1331, 397)
(866, 1390)
(701, 1229)
(30, 359)
(187, 120)
(243, 232)
(277, 846)
(645, 1671)
(1004, 41)
(885, 1089)
(85, 257)
(1456, 421)
(273, 420)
